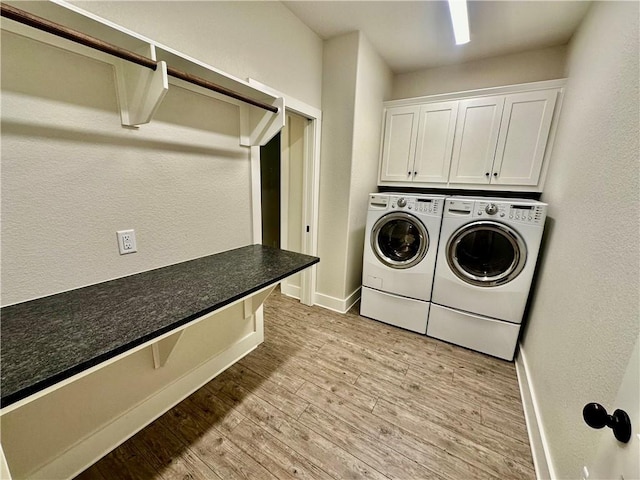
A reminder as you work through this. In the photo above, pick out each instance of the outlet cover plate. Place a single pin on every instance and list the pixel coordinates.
(127, 241)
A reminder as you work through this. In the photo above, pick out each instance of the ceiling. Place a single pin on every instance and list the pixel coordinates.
(414, 35)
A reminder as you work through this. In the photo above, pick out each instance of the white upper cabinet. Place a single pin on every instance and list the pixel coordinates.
(417, 143)
(492, 139)
(435, 142)
(476, 140)
(399, 145)
(524, 131)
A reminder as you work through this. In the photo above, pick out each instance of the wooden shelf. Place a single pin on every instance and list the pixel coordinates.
(141, 90)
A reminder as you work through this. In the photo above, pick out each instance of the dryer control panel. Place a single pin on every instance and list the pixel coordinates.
(512, 212)
(424, 205)
(515, 212)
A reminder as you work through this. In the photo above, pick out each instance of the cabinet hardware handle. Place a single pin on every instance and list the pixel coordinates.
(487, 174)
(596, 416)
(409, 173)
(495, 174)
(415, 173)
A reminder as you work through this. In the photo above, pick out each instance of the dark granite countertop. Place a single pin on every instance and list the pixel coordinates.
(47, 340)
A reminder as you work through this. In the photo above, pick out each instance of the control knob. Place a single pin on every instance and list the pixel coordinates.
(491, 209)
(402, 202)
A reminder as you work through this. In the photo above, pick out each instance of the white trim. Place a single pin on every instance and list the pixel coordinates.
(340, 305)
(443, 97)
(256, 195)
(289, 290)
(311, 187)
(285, 180)
(537, 438)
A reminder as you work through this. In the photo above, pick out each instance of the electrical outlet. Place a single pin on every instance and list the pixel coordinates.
(127, 241)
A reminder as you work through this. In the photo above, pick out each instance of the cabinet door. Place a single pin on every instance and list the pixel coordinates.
(522, 142)
(435, 142)
(399, 144)
(474, 147)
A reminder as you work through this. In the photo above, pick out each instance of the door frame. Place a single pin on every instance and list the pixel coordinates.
(310, 188)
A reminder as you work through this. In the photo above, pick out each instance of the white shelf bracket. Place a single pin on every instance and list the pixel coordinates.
(5, 474)
(162, 349)
(140, 89)
(248, 307)
(257, 126)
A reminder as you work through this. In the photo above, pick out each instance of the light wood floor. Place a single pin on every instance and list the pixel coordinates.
(338, 396)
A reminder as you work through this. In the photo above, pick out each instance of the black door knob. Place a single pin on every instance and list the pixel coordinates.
(596, 416)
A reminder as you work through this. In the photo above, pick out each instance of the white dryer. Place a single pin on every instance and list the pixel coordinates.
(401, 241)
(486, 260)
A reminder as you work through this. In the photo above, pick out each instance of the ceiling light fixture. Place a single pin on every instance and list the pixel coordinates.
(460, 20)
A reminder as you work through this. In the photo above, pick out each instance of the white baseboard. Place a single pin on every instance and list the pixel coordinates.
(292, 291)
(340, 305)
(537, 439)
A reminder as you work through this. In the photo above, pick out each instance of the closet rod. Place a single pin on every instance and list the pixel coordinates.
(40, 23)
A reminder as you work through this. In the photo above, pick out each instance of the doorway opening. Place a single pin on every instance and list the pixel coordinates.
(270, 173)
(283, 166)
(310, 121)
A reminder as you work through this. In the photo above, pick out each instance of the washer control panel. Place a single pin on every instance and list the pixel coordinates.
(424, 205)
(491, 209)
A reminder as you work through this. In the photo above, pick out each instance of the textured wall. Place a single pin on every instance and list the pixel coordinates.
(585, 315)
(531, 66)
(355, 82)
(373, 86)
(260, 40)
(338, 107)
(72, 176)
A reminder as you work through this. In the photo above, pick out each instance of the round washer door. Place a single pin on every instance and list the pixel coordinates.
(399, 240)
(486, 253)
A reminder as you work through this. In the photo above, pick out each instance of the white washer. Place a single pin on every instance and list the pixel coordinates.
(486, 259)
(401, 240)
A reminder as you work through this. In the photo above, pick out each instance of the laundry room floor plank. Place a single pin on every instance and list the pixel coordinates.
(488, 402)
(338, 396)
(298, 363)
(426, 452)
(365, 446)
(337, 462)
(491, 457)
(271, 392)
(212, 445)
(168, 455)
(276, 456)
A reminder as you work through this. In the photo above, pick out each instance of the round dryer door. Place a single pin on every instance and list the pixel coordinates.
(486, 254)
(399, 240)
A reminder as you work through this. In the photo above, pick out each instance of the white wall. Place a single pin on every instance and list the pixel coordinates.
(72, 176)
(585, 315)
(531, 66)
(355, 83)
(338, 109)
(373, 86)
